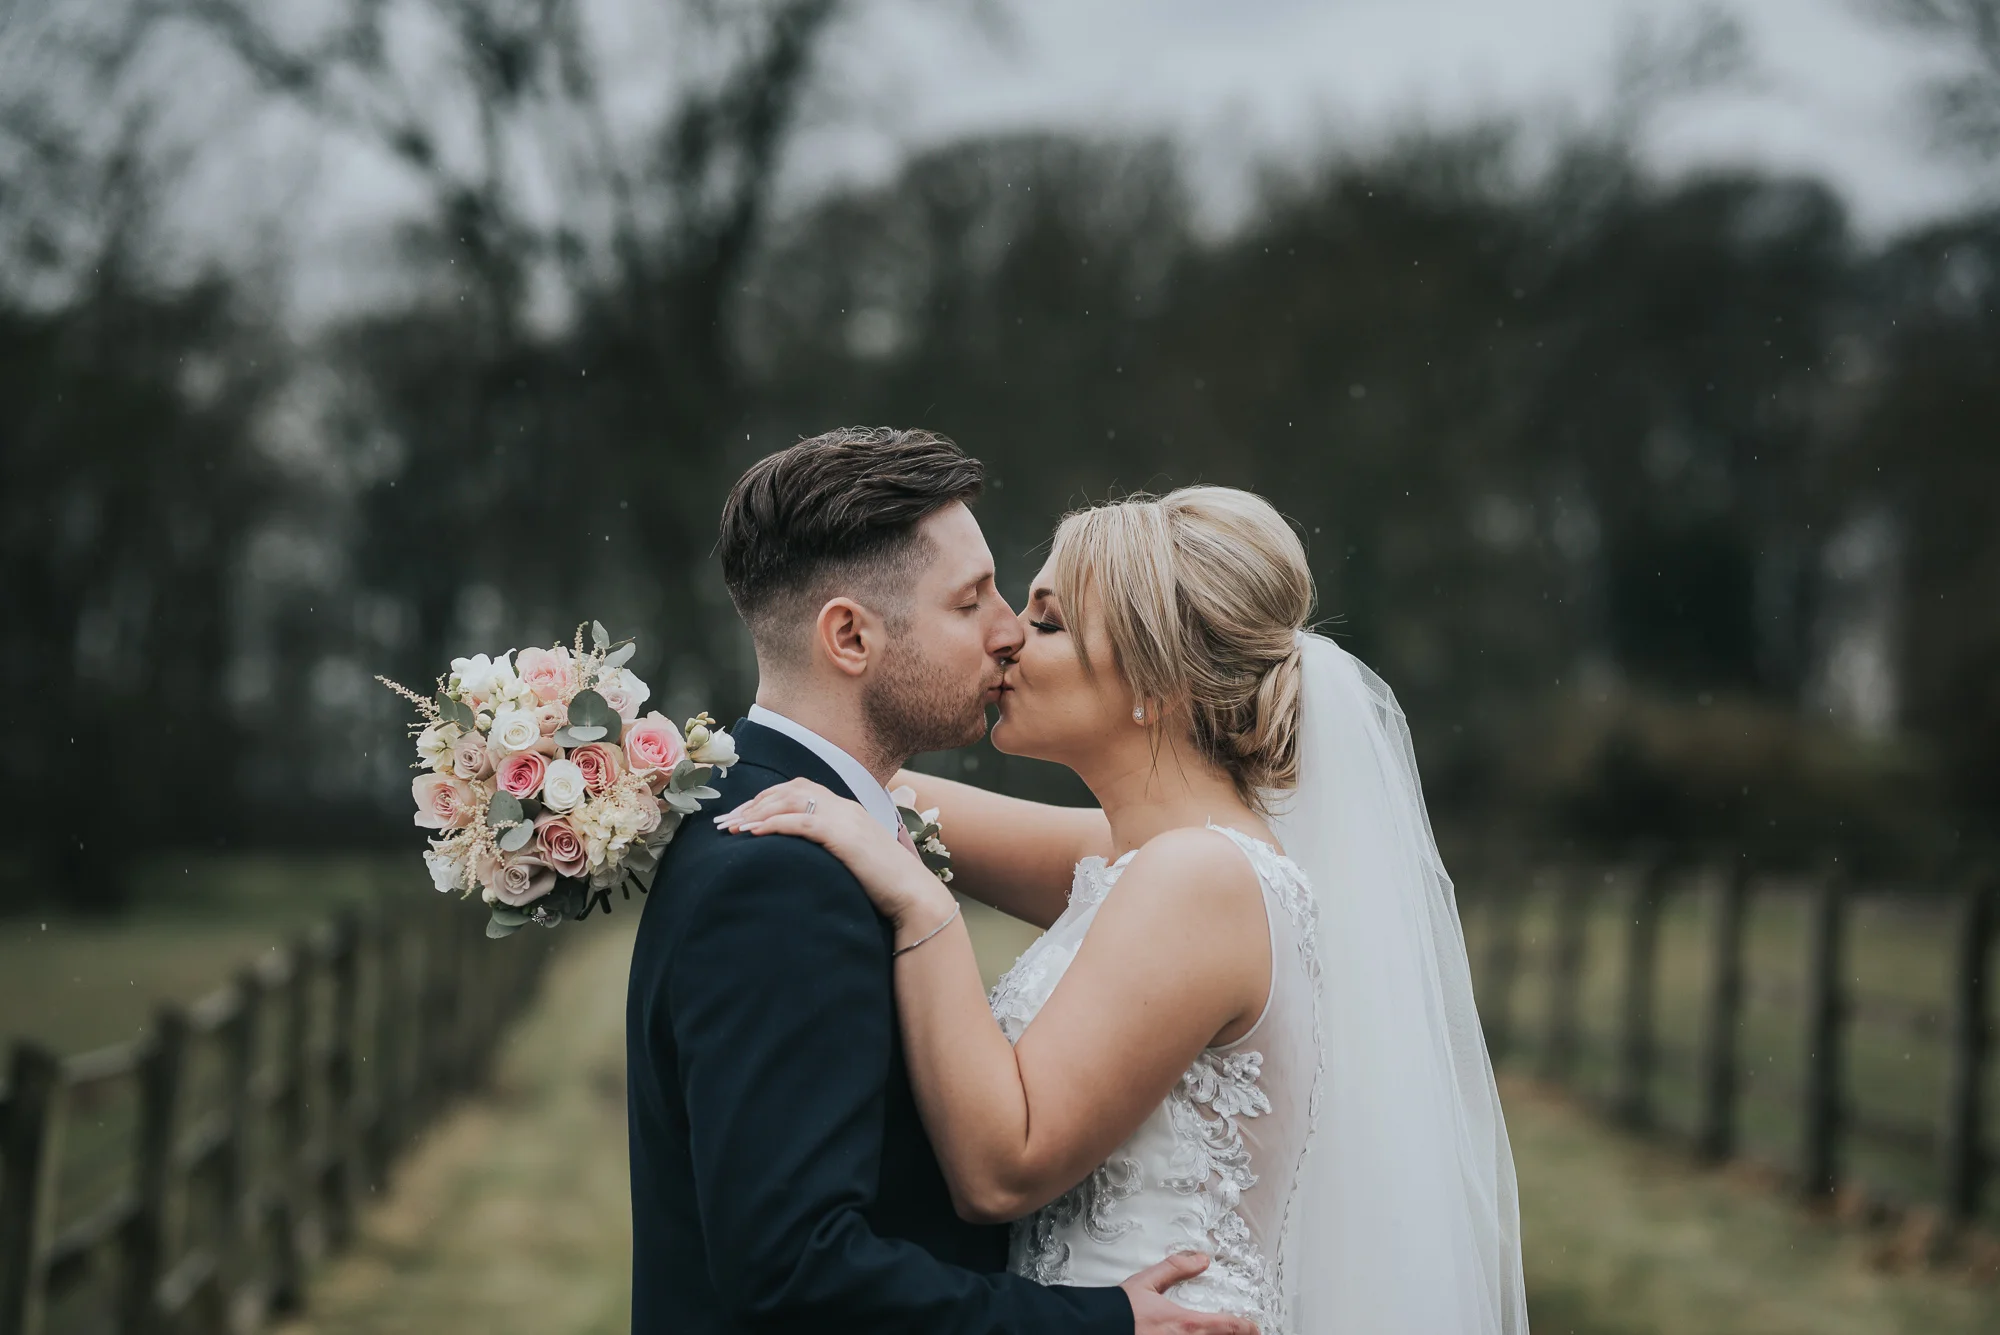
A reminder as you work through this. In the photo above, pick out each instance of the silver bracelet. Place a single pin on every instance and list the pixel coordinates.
(955, 910)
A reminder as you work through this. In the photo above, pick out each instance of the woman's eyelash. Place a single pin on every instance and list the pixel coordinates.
(1046, 627)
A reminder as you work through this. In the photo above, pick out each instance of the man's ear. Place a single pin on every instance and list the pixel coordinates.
(847, 635)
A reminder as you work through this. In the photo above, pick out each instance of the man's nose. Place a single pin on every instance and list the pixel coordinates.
(1008, 635)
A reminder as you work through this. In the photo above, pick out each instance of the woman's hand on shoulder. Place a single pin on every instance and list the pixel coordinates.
(898, 884)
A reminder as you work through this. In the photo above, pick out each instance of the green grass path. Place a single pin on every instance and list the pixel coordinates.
(512, 1215)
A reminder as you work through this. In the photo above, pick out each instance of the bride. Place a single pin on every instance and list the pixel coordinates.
(1248, 1029)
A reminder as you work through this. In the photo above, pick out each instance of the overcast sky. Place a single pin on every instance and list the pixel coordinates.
(1833, 91)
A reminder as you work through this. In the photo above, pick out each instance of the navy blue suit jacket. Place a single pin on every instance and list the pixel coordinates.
(781, 1180)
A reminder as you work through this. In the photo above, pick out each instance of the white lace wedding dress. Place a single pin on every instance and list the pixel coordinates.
(1215, 1167)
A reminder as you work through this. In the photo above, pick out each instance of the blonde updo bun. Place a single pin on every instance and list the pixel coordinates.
(1202, 593)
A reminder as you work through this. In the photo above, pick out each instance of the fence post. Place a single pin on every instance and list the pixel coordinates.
(291, 1201)
(1820, 1110)
(1715, 1133)
(338, 1170)
(391, 1015)
(1963, 1153)
(237, 1167)
(148, 1245)
(1503, 953)
(1572, 910)
(1633, 1100)
(30, 1152)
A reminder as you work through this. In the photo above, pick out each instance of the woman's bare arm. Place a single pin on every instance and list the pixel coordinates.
(1017, 856)
(1178, 957)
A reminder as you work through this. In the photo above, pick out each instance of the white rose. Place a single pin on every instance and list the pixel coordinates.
(718, 749)
(447, 868)
(435, 745)
(514, 730)
(562, 786)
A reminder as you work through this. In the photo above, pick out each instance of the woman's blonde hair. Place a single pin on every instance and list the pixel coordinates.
(1202, 593)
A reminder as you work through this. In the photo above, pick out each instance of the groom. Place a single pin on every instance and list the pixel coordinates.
(781, 1180)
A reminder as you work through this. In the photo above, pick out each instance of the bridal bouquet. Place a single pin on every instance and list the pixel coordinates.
(547, 788)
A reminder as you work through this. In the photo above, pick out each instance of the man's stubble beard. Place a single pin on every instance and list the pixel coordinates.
(916, 706)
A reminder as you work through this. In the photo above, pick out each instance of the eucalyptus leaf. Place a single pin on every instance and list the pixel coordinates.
(508, 916)
(589, 709)
(516, 839)
(500, 932)
(689, 776)
(457, 711)
(599, 637)
(702, 794)
(911, 821)
(503, 809)
(681, 802)
(579, 734)
(622, 655)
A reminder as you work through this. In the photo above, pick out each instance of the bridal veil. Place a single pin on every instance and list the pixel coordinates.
(1405, 1220)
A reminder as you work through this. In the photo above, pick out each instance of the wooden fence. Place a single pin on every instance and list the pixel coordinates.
(1849, 1027)
(218, 1156)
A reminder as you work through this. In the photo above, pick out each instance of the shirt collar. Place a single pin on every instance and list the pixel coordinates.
(867, 789)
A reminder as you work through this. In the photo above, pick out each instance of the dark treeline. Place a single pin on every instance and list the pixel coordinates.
(1666, 505)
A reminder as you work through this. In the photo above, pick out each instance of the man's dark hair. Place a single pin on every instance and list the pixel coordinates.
(845, 504)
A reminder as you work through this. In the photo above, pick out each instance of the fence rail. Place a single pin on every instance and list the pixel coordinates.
(258, 1118)
(1844, 1046)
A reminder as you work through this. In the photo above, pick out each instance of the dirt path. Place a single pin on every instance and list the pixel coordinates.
(512, 1216)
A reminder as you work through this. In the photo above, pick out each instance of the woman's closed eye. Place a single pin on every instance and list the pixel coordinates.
(1046, 627)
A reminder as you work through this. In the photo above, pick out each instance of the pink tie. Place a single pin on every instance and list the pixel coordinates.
(903, 838)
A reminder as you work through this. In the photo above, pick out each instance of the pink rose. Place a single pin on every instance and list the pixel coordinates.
(549, 673)
(521, 773)
(444, 802)
(559, 843)
(649, 818)
(601, 764)
(553, 718)
(654, 743)
(468, 757)
(521, 880)
(624, 692)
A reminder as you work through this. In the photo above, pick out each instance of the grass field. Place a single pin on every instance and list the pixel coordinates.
(512, 1216)
(1896, 964)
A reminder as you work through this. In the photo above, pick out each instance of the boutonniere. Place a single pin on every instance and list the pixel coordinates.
(925, 833)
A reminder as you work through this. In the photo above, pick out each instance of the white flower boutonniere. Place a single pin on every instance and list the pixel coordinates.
(925, 833)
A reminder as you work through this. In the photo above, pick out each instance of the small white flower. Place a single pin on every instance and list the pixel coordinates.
(446, 866)
(562, 786)
(514, 730)
(904, 797)
(435, 745)
(481, 677)
(931, 845)
(718, 750)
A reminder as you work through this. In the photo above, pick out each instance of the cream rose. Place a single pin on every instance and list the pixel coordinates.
(717, 749)
(560, 845)
(514, 730)
(563, 786)
(521, 879)
(654, 743)
(468, 757)
(600, 764)
(624, 692)
(549, 673)
(553, 718)
(443, 801)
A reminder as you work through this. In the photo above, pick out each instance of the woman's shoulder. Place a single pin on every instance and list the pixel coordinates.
(1193, 867)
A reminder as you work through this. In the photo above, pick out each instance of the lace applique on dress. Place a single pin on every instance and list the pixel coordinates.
(1042, 1255)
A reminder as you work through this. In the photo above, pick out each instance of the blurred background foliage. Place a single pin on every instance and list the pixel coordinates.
(1666, 501)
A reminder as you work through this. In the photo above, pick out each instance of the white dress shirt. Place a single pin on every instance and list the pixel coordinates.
(867, 789)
